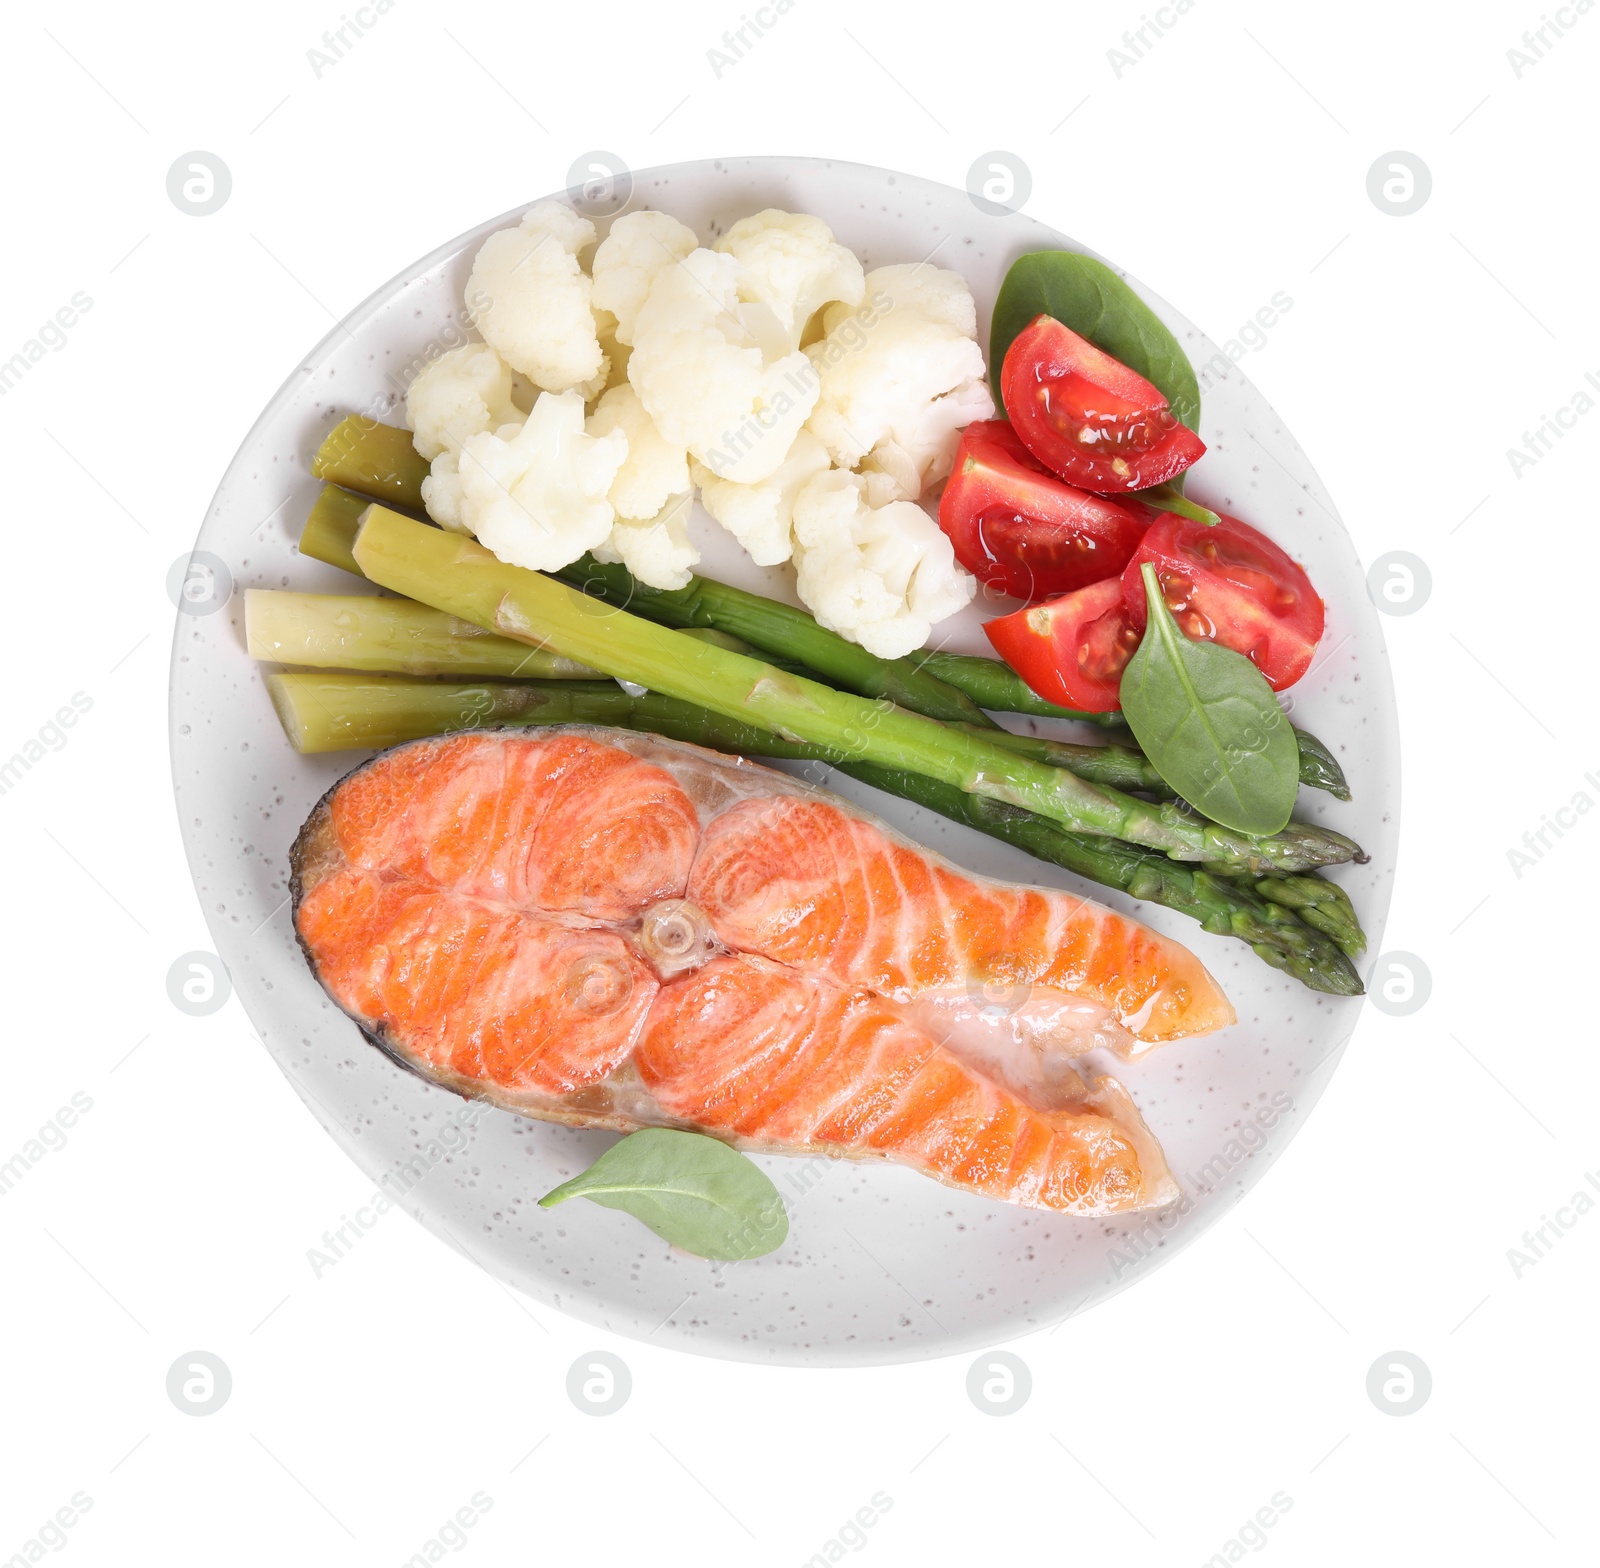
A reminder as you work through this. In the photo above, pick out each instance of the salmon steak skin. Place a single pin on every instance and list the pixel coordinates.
(609, 929)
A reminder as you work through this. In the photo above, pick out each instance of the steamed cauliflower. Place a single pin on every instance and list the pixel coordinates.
(654, 471)
(462, 392)
(761, 516)
(902, 466)
(639, 245)
(536, 494)
(790, 265)
(441, 490)
(656, 550)
(612, 349)
(882, 577)
(530, 299)
(899, 378)
(704, 379)
(914, 285)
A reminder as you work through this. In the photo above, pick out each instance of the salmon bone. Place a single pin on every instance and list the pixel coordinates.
(677, 935)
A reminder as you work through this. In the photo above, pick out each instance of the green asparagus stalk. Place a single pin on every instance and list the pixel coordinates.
(1126, 767)
(1321, 904)
(331, 528)
(1319, 768)
(457, 575)
(322, 712)
(330, 533)
(1122, 767)
(327, 712)
(778, 630)
(999, 688)
(378, 460)
(350, 632)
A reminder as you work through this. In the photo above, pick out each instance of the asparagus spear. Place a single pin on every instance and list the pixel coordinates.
(1319, 903)
(378, 460)
(1122, 767)
(322, 712)
(1126, 767)
(1319, 768)
(455, 574)
(331, 528)
(327, 712)
(350, 632)
(780, 630)
(998, 687)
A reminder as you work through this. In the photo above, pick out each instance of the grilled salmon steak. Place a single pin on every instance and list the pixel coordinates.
(607, 929)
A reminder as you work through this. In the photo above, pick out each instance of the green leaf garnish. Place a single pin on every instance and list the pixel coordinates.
(690, 1190)
(1208, 720)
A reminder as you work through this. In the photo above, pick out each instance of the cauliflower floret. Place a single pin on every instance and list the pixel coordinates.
(900, 376)
(441, 490)
(705, 381)
(791, 266)
(612, 348)
(880, 576)
(536, 494)
(530, 300)
(900, 470)
(917, 285)
(655, 469)
(760, 516)
(462, 392)
(657, 551)
(639, 245)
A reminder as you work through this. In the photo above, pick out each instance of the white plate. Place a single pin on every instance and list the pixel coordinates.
(881, 1264)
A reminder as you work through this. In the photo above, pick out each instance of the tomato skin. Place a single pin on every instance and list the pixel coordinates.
(1087, 417)
(1231, 584)
(1018, 528)
(1073, 650)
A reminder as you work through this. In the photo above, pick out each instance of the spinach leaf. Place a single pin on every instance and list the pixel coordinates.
(1089, 297)
(1208, 720)
(690, 1190)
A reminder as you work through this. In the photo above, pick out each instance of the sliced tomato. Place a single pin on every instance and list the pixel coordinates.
(1089, 418)
(1023, 531)
(1231, 584)
(1073, 650)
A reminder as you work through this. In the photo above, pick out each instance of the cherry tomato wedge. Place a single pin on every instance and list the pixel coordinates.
(1233, 585)
(1087, 417)
(1073, 650)
(1023, 531)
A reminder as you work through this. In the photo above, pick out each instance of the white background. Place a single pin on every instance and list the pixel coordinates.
(1227, 164)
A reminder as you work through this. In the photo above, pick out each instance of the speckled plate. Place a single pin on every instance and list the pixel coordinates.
(881, 1264)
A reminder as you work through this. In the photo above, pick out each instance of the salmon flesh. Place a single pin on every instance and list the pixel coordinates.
(609, 929)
